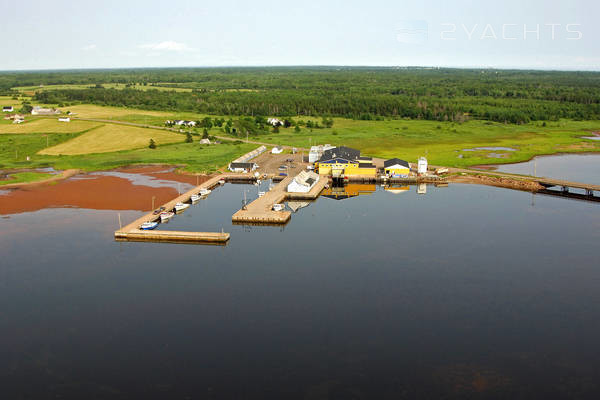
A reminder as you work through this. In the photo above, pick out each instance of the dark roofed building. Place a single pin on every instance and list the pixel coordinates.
(344, 152)
(395, 161)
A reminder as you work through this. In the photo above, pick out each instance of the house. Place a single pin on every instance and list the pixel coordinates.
(44, 111)
(422, 166)
(277, 150)
(242, 166)
(396, 168)
(204, 141)
(274, 122)
(303, 182)
(64, 119)
(7, 109)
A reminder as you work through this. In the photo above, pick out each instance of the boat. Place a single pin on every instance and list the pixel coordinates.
(261, 194)
(148, 226)
(278, 207)
(221, 181)
(179, 207)
(166, 215)
(204, 192)
(195, 197)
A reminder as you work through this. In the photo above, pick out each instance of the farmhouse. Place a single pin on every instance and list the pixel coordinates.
(44, 111)
(277, 150)
(396, 168)
(7, 109)
(242, 166)
(274, 122)
(303, 182)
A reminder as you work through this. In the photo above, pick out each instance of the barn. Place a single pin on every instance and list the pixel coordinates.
(396, 168)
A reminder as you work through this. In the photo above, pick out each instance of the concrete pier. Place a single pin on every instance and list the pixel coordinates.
(260, 211)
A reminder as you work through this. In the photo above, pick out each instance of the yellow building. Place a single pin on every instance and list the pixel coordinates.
(344, 161)
(396, 168)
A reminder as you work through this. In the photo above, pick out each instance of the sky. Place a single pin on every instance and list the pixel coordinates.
(527, 34)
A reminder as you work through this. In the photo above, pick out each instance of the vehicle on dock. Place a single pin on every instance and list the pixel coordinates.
(148, 226)
(205, 192)
(278, 207)
(261, 194)
(166, 215)
(180, 207)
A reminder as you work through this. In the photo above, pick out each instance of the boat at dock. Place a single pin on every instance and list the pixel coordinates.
(180, 207)
(166, 215)
(148, 226)
(278, 207)
(261, 194)
(205, 192)
(195, 197)
(221, 181)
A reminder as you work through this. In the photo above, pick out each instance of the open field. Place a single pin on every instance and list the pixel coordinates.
(444, 142)
(46, 125)
(110, 138)
(29, 90)
(14, 150)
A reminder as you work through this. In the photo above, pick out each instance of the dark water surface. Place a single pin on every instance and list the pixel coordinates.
(584, 168)
(465, 292)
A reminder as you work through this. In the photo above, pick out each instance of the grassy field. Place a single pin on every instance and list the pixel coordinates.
(46, 125)
(444, 142)
(23, 177)
(109, 138)
(14, 150)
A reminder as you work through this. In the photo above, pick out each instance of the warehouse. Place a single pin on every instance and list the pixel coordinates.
(242, 166)
(303, 182)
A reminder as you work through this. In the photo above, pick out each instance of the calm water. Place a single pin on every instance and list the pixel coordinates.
(465, 292)
(574, 167)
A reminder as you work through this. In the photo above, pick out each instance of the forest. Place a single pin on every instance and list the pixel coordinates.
(361, 93)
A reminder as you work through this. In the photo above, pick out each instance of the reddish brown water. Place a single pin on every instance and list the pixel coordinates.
(121, 189)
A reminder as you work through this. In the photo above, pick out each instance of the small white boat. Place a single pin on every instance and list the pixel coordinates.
(166, 215)
(278, 207)
(261, 194)
(221, 181)
(148, 226)
(195, 197)
(179, 207)
(205, 192)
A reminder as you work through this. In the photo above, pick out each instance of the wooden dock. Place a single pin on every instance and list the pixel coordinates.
(261, 212)
(132, 232)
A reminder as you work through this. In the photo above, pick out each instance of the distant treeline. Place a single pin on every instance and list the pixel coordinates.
(359, 93)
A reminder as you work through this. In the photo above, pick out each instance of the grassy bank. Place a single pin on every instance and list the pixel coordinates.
(25, 177)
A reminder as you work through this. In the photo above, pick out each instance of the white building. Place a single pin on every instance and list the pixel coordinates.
(241, 167)
(303, 182)
(44, 111)
(64, 119)
(317, 151)
(7, 109)
(277, 150)
(422, 166)
(204, 141)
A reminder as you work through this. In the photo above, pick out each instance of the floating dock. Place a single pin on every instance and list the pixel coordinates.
(260, 211)
(132, 232)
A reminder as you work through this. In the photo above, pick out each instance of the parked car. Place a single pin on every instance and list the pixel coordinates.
(282, 174)
(282, 168)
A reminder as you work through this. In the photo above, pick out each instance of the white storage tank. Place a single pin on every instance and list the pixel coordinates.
(422, 166)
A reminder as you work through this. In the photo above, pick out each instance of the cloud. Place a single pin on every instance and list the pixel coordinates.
(168, 45)
(89, 47)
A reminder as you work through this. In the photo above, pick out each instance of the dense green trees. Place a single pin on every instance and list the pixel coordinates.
(359, 93)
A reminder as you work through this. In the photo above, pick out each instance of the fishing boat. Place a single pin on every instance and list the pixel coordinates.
(166, 215)
(278, 207)
(204, 192)
(180, 207)
(221, 181)
(148, 226)
(195, 197)
(261, 194)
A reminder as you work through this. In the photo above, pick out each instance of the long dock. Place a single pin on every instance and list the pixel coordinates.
(261, 212)
(132, 232)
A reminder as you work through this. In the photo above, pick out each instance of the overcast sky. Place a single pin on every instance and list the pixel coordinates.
(536, 34)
